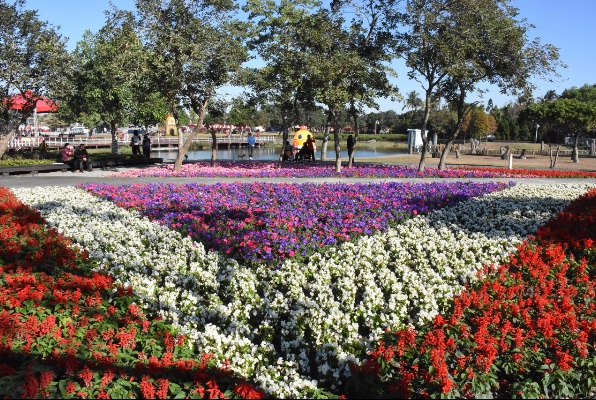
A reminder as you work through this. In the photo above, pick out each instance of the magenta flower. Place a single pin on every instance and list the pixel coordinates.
(265, 222)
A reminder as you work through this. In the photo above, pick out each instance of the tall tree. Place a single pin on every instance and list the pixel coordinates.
(571, 114)
(428, 53)
(413, 102)
(491, 46)
(456, 44)
(108, 77)
(33, 58)
(331, 60)
(277, 37)
(475, 123)
(196, 47)
(371, 32)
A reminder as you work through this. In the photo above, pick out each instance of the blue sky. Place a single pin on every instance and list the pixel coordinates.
(569, 25)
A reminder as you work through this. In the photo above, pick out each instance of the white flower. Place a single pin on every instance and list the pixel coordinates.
(269, 323)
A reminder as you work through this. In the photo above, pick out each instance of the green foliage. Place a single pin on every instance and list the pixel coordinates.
(20, 161)
(569, 116)
(33, 58)
(195, 49)
(452, 46)
(475, 123)
(107, 85)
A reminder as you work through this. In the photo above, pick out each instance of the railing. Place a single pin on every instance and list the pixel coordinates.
(54, 142)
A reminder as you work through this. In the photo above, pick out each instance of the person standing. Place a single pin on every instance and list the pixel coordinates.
(43, 148)
(135, 143)
(350, 146)
(146, 146)
(251, 144)
(310, 147)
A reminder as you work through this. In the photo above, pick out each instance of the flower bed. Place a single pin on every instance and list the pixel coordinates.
(295, 330)
(66, 331)
(270, 169)
(525, 331)
(263, 222)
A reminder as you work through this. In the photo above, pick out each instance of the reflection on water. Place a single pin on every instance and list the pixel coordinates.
(271, 153)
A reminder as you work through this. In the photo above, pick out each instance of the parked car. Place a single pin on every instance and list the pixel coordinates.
(79, 130)
(132, 129)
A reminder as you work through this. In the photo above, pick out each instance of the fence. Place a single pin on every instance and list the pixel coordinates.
(54, 142)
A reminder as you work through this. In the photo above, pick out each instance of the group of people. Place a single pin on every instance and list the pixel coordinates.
(78, 159)
(136, 143)
(307, 151)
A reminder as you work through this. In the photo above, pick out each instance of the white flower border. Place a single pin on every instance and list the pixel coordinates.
(283, 327)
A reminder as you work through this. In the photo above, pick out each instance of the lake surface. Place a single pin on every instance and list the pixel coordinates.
(271, 153)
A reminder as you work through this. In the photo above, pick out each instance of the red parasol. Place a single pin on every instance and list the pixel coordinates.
(43, 104)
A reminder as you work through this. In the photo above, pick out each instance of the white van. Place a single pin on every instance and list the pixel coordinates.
(79, 130)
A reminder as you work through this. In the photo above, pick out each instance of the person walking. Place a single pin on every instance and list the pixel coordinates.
(251, 144)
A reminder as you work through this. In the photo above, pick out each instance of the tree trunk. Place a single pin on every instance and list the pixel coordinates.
(554, 162)
(444, 153)
(114, 133)
(283, 147)
(325, 142)
(213, 147)
(184, 146)
(286, 137)
(4, 141)
(337, 145)
(351, 155)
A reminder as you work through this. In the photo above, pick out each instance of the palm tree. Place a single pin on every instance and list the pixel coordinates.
(413, 101)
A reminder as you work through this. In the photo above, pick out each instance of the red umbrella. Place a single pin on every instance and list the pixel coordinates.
(43, 104)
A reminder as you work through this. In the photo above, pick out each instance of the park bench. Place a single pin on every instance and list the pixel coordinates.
(56, 167)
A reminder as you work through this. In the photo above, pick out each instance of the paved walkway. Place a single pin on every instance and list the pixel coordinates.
(100, 176)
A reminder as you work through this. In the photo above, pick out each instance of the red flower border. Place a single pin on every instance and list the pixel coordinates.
(527, 330)
(63, 333)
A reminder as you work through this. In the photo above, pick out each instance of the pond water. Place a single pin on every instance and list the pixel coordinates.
(271, 153)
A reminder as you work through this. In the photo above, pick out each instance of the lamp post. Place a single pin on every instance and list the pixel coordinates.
(376, 124)
(536, 137)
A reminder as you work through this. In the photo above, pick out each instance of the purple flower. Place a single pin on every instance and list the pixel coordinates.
(265, 222)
